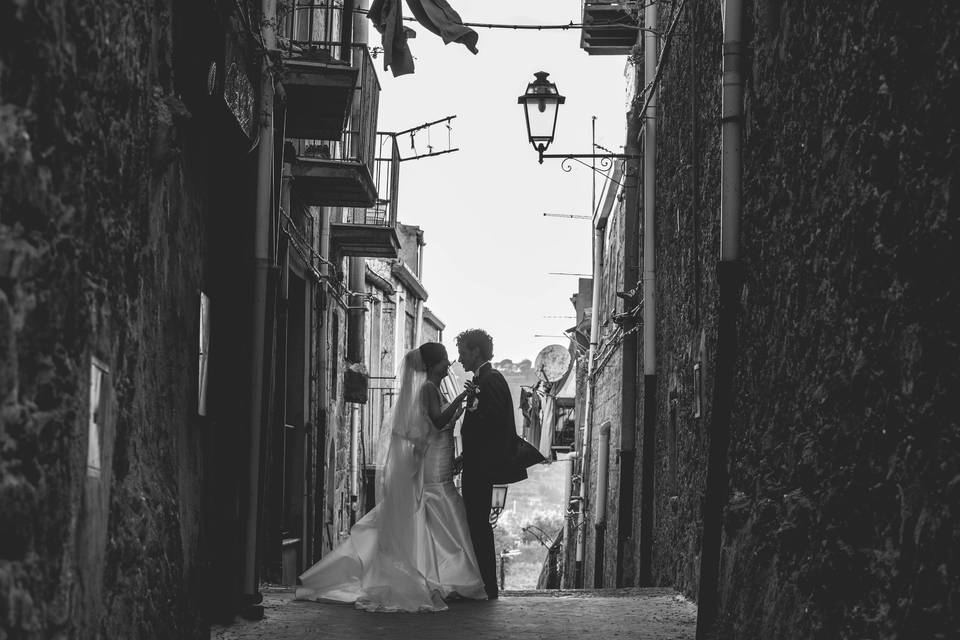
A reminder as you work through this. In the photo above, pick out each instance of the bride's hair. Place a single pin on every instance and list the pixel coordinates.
(432, 353)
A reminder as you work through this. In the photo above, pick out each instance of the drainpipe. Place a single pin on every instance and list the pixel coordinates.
(626, 564)
(361, 25)
(600, 517)
(730, 275)
(588, 400)
(355, 313)
(250, 594)
(651, 41)
(357, 265)
(354, 461)
(322, 428)
(418, 330)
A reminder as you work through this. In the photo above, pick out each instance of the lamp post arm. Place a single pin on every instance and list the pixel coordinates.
(603, 167)
(602, 156)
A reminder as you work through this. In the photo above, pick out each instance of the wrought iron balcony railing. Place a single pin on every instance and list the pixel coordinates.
(358, 141)
(317, 30)
(386, 177)
(354, 149)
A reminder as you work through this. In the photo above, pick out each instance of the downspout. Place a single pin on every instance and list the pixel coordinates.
(354, 462)
(418, 330)
(730, 275)
(355, 31)
(626, 565)
(322, 428)
(600, 508)
(651, 41)
(356, 346)
(588, 400)
(250, 594)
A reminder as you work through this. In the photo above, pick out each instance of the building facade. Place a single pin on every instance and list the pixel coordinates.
(787, 405)
(198, 245)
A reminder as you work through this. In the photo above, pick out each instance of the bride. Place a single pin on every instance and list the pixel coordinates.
(412, 551)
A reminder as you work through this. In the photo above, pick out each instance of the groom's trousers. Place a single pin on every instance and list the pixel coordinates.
(477, 498)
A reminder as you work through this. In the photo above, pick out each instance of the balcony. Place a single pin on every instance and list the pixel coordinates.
(371, 231)
(321, 67)
(609, 27)
(339, 171)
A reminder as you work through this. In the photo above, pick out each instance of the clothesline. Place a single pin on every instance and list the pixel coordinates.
(536, 27)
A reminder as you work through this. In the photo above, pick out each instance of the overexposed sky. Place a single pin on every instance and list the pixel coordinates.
(489, 248)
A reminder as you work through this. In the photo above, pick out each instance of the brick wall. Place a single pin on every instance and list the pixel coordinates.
(608, 400)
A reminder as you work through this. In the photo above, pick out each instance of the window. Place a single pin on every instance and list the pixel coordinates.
(204, 354)
(411, 330)
(98, 372)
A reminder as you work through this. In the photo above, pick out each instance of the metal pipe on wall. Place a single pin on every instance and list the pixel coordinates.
(361, 25)
(356, 314)
(323, 440)
(731, 131)
(626, 565)
(261, 264)
(730, 276)
(651, 46)
(588, 399)
(600, 508)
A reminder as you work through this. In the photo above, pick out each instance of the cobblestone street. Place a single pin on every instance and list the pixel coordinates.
(655, 614)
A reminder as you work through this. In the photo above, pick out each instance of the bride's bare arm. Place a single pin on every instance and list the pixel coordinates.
(441, 416)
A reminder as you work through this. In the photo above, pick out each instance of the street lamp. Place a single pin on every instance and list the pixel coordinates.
(541, 103)
(498, 502)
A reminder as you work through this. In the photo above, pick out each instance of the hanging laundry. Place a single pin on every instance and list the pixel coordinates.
(436, 15)
(440, 18)
(387, 18)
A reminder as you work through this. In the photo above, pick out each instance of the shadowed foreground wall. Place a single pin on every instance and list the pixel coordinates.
(842, 519)
(101, 240)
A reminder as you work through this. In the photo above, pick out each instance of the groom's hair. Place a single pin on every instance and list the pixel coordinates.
(477, 339)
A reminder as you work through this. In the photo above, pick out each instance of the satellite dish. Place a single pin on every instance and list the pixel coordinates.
(552, 363)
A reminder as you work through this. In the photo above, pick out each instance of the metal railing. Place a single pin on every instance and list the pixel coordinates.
(317, 30)
(386, 176)
(358, 141)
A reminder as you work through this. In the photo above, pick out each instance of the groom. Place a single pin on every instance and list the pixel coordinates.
(488, 427)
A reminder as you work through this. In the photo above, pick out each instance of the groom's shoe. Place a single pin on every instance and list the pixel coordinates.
(492, 593)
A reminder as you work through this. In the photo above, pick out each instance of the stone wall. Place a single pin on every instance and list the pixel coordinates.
(607, 401)
(101, 239)
(842, 516)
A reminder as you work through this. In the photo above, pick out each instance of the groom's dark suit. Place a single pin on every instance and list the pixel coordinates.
(486, 432)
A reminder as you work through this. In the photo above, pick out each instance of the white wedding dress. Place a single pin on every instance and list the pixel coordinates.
(412, 551)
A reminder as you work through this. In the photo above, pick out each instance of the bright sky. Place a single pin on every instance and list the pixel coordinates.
(489, 247)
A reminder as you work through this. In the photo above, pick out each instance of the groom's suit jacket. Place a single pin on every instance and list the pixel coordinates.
(488, 430)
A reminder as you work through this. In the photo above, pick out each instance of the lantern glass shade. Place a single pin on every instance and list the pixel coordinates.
(541, 103)
(499, 497)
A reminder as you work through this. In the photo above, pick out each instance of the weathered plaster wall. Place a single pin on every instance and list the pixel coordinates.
(608, 399)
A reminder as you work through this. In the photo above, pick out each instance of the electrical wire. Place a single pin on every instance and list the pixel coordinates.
(661, 63)
(307, 253)
(539, 27)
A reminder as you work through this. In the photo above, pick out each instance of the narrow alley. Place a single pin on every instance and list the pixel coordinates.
(639, 614)
(557, 319)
